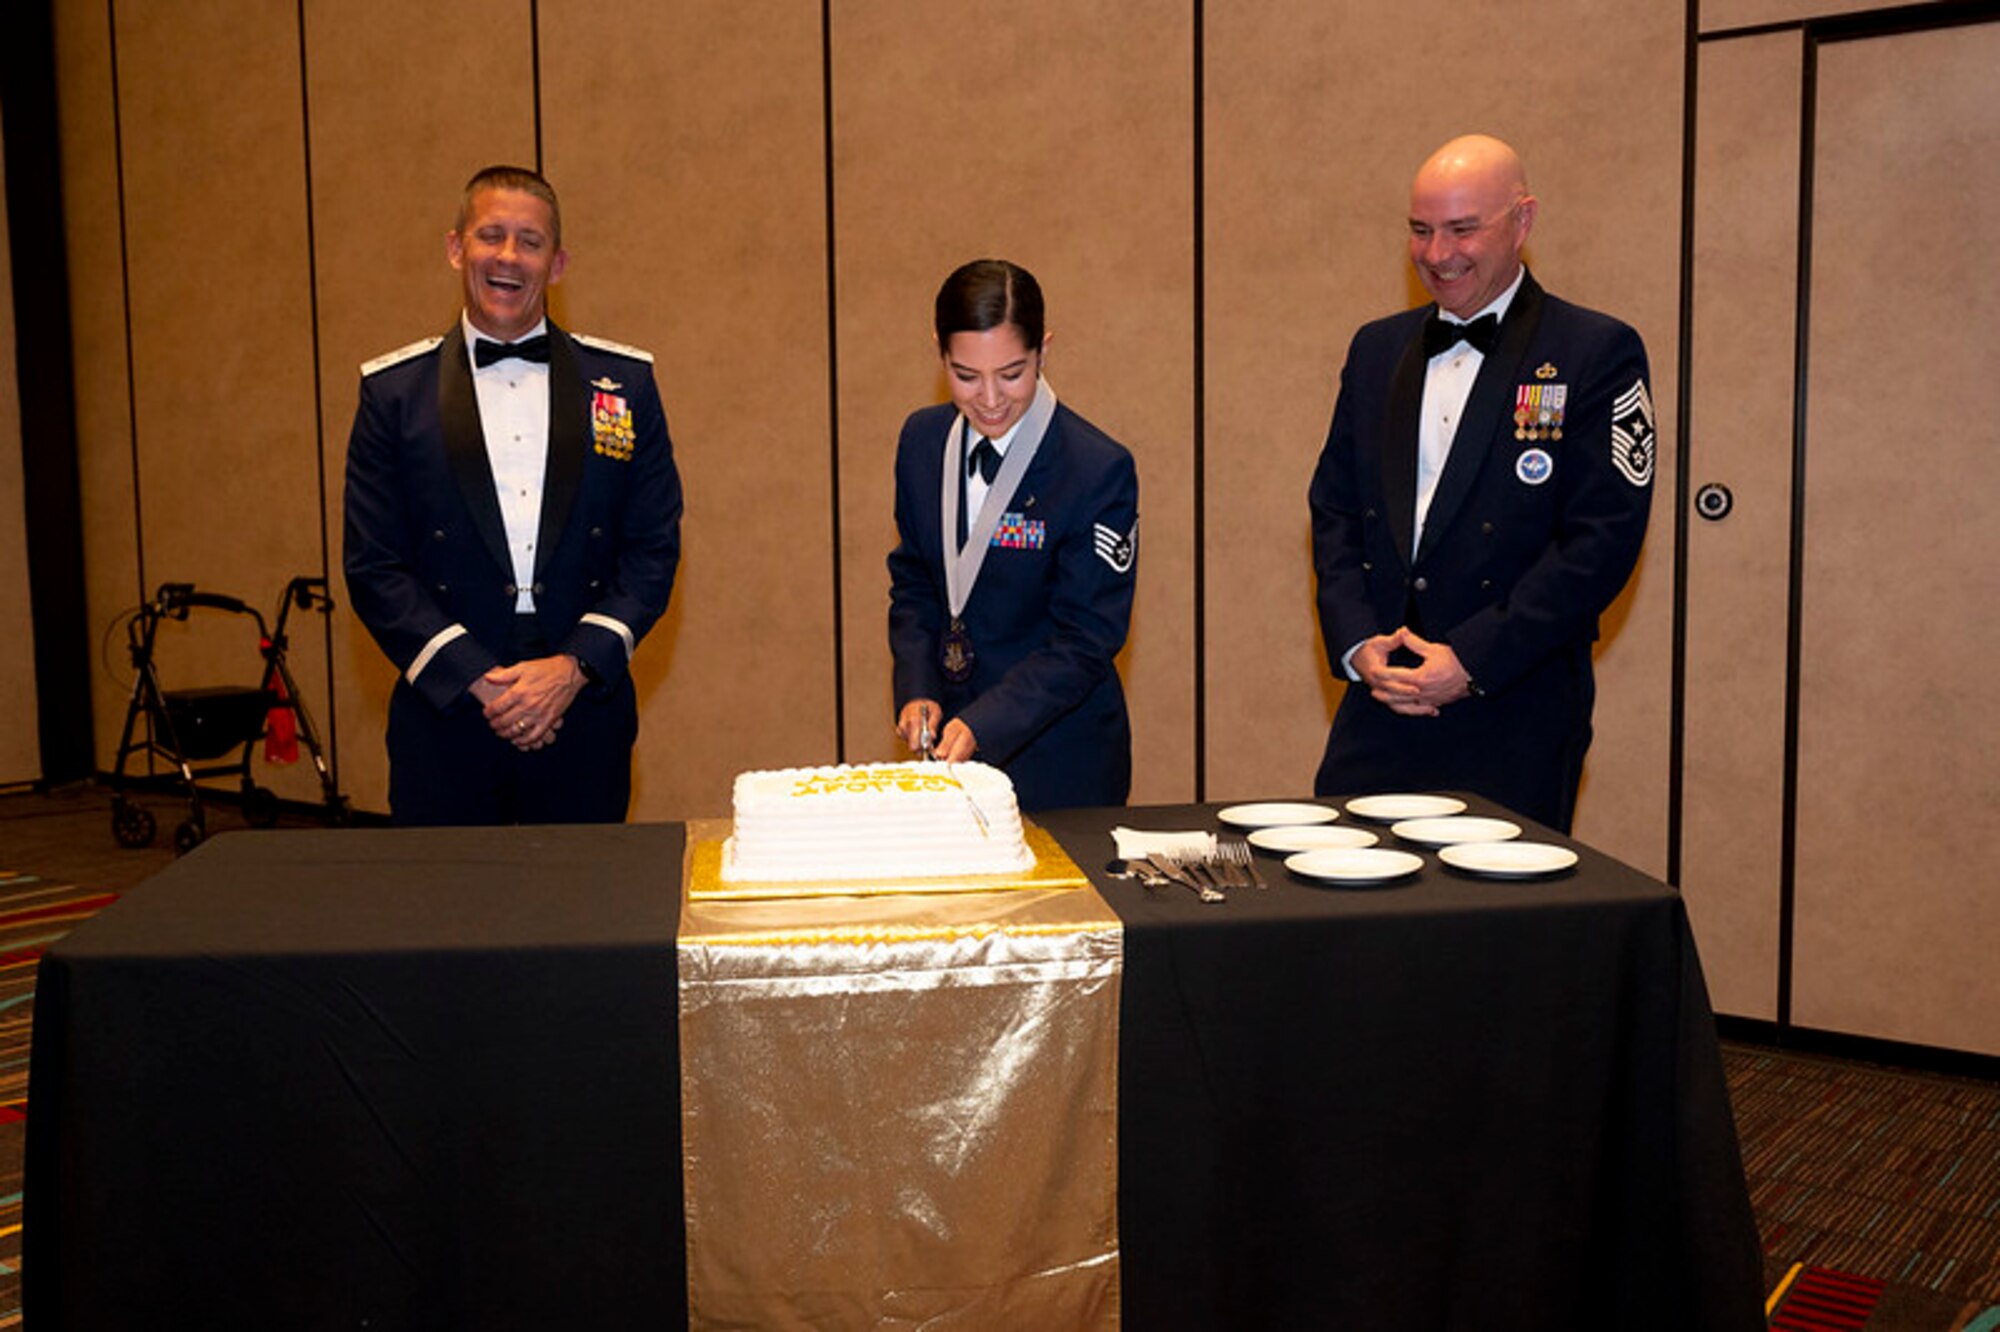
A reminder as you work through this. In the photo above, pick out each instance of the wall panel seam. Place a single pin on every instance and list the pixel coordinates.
(125, 300)
(833, 382)
(332, 737)
(1683, 445)
(1200, 404)
(1795, 591)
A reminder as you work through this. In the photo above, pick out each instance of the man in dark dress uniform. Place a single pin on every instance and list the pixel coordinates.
(1480, 500)
(512, 530)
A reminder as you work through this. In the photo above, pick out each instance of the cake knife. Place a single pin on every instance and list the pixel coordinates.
(978, 814)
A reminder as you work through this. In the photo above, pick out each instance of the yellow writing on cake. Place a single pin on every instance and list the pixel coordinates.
(897, 777)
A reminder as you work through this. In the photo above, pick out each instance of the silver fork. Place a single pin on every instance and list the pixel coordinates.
(1244, 859)
(1211, 871)
(1181, 869)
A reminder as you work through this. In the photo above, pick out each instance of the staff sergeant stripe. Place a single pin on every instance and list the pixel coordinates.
(1114, 548)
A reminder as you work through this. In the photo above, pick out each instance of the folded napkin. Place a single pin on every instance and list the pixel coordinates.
(1133, 843)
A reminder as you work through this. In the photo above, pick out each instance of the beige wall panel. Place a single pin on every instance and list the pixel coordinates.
(1745, 288)
(20, 741)
(221, 323)
(1606, 163)
(97, 336)
(1722, 15)
(1308, 193)
(690, 153)
(1899, 797)
(1308, 188)
(1057, 135)
(393, 141)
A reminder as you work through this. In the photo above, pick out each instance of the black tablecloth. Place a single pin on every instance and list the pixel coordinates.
(1449, 1103)
(430, 1078)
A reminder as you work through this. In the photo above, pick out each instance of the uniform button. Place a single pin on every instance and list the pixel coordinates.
(536, 589)
(512, 590)
(596, 532)
(1422, 584)
(443, 588)
(1369, 514)
(1485, 584)
(1367, 566)
(438, 535)
(1486, 529)
(596, 583)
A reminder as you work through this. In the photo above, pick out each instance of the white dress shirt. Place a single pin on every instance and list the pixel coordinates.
(514, 416)
(1447, 384)
(977, 485)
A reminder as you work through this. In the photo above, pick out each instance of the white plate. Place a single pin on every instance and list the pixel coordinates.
(1354, 864)
(1509, 860)
(1389, 808)
(1314, 837)
(1275, 813)
(1453, 830)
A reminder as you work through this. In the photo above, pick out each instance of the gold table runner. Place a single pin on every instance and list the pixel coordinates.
(900, 1110)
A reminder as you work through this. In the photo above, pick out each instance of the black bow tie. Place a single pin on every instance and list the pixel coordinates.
(986, 459)
(1439, 335)
(487, 352)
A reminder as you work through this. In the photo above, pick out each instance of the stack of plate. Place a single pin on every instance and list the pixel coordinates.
(1354, 864)
(1390, 808)
(1454, 829)
(1508, 860)
(1276, 813)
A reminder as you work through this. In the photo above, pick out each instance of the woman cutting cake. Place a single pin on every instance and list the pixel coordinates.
(1010, 589)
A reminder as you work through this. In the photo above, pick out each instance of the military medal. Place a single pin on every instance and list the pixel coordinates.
(1538, 410)
(962, 563)
(956, 656)
(611, 426)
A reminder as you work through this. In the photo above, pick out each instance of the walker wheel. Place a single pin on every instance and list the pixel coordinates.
(260, 807)
(187, 835)
(132, 826)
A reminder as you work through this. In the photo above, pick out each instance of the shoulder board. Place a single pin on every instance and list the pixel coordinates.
(398, 356)
(615, 348)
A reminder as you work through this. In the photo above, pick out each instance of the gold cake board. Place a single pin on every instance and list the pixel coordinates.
(1052, 869)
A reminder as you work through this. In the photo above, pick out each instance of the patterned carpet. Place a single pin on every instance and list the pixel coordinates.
(33, 914)
(1877, 1191)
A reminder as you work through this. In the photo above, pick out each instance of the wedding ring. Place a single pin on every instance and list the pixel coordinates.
(519, 727)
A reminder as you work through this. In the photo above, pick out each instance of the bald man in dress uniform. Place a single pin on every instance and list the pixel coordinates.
(1480, 500)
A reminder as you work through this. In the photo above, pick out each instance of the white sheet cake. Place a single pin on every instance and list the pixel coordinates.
(874, 821)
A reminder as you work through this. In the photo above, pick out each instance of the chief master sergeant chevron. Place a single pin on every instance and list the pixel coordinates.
(512, 530)
(1480, 500)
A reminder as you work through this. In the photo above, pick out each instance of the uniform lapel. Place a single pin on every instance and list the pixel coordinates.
(1399, 464)
(569, 442)
(1024, 500)
(1487, 411)
(465, 446)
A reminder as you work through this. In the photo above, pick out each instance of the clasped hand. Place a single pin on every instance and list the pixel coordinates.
(955, 744)
(524, 703)
(1422, 690)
